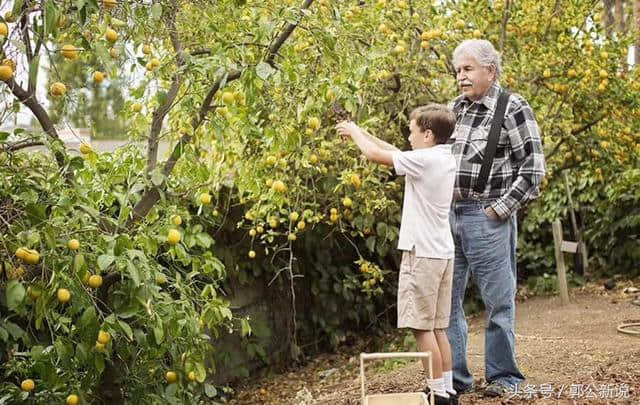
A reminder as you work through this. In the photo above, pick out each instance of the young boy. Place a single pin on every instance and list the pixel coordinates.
(424, 287)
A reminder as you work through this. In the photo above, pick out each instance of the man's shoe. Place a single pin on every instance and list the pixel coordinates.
(494, 390)
(438, 400)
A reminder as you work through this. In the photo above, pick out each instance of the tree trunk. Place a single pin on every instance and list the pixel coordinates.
(636, 18)
(607, 16)
(619, 15)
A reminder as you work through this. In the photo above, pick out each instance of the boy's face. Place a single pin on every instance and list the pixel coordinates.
(418, 138)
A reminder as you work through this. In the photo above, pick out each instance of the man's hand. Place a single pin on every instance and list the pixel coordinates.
(491, 213)
(347, 129)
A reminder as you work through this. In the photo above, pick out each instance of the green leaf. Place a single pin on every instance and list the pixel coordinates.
(133, 273)
(51, 18)
(126, 329)
(4, 136)
(264, 70)
(158, 334)
(78, 262)
(88, 318)
(156, 11)
(204, 240)
(99, 364)
(210, 390)
(15, 294)
(246, 328)
(17, 7)
(33, 69)
(371, 243)
(105, 261)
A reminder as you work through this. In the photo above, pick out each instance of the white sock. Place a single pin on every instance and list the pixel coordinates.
(437, 385)
(448, 381)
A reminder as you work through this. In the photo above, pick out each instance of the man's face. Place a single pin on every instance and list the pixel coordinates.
(474, 80)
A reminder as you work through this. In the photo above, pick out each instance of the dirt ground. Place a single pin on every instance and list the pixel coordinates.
(570, 355)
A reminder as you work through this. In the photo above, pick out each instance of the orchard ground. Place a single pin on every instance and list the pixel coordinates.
(574, 346)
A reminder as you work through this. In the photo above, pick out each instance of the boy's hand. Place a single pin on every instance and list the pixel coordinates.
(347, 128)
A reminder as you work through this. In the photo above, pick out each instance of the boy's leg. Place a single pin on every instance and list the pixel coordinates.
(426, 341)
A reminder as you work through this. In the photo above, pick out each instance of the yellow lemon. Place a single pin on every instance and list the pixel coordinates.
(31, 256)
(111, 35)
(95, 281)
(177, 220)
(279, 187)
(58, 89)
(171, 377)
(227, 97)
(63, 295)
(205, 198)
(69, 52)
(85, 149)
(98, 77)
(174, 236)
(347, 202)
(314, 123)
(73, 399)
(104, 337)
(73, 244)
(191, 376)
(4, 30)
(146, 49)
(109, 4)
(136, 107)
(252, 254)
(27, 385)
(294, 216)
(301, 225)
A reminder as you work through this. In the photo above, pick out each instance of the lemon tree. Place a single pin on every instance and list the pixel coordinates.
(116, 263)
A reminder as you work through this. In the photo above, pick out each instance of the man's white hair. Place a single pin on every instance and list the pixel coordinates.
(482, 51)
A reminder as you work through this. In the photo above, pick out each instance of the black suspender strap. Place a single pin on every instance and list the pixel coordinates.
(492, 141)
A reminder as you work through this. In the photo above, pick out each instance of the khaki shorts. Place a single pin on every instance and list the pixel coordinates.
(424, 292)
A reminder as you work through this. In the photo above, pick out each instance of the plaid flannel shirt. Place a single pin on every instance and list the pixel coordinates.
(518, 166)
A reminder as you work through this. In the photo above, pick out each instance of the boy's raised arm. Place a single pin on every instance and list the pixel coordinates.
(370, 148)
(384, 145)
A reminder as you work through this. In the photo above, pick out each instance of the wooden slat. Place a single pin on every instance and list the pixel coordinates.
(569, 247)
(560, 268)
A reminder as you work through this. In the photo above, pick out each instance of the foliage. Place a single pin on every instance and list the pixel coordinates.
(264, 189)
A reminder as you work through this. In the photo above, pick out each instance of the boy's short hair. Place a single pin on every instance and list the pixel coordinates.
(436, 117)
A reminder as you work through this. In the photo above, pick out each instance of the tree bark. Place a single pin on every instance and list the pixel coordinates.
(636, 18)
(619, 16)
(161, 112)
(607, 16)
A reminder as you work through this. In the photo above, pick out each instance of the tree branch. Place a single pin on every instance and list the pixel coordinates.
(21, 145)
(29, 99)
(505, 18)
(163, 110)
(151, 197)
(284, 35)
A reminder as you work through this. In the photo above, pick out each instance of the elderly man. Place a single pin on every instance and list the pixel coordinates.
(483, 214)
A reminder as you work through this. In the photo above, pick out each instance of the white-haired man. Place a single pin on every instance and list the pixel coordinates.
(483, 214)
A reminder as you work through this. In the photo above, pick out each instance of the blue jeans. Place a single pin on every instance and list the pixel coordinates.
(486, 250)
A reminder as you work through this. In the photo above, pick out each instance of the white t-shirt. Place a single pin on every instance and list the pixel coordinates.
(429, 178)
